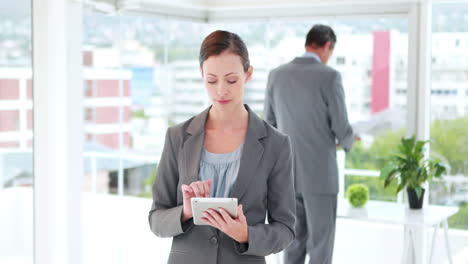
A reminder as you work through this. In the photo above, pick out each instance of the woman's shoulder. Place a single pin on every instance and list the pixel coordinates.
(275, 143)
(180, 127)
(265, 130)
(176, 133)
(275, 135)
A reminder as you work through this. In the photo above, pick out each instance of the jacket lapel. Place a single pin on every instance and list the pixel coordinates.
(193, 146)
(251, 155)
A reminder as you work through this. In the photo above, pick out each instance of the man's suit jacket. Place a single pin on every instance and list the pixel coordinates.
(305, 100)
(264, 187)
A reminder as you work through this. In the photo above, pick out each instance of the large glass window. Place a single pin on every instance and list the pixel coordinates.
(371, 55)
(449, 107)
(16, 133)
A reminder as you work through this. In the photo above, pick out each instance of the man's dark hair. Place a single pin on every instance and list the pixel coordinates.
(319, 35)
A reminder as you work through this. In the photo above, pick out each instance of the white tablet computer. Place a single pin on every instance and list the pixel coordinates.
(200, 205)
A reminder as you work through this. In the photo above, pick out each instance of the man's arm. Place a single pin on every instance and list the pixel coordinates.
(338, 114)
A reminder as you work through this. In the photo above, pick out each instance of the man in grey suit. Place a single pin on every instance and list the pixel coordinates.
(305, 100)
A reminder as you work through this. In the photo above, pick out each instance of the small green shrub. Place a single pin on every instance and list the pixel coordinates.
(358, 195)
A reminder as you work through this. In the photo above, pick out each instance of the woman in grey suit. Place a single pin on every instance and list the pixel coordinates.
(225, 151)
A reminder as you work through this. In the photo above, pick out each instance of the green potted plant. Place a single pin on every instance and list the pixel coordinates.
(412, 169)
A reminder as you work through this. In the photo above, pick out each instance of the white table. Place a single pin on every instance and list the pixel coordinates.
(400, 214)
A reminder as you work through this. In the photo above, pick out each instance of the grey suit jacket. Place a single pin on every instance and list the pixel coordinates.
(305, 100)
(264, 187)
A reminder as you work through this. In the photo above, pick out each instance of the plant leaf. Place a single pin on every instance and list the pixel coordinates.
(391, 176)
(385, 171)
(401, 186)
(418, 191)
(419, 147)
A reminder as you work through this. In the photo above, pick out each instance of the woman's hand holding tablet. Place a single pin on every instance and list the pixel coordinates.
(223, 214)
(202, 205)
(195, 189)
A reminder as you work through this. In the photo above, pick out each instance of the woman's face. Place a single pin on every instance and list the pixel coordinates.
(224, 79)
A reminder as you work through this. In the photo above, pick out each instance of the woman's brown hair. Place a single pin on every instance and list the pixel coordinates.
(220, 41)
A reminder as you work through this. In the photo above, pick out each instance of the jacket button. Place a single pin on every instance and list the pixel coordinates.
(214, 240)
